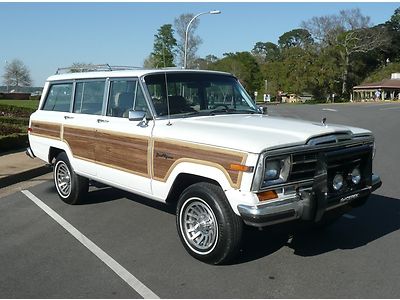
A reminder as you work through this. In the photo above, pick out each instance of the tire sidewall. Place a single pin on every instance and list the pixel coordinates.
(79, 185)
(224, 246)
(56, 167)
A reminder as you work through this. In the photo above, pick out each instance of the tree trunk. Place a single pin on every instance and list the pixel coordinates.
(345, 74)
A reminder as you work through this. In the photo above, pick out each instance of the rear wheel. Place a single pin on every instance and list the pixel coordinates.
(208, 228)
(70, 186)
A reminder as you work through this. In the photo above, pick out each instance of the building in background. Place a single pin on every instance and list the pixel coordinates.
(387, 89)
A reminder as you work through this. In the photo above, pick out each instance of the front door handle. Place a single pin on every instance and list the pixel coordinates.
(102, 121)
(68, 117)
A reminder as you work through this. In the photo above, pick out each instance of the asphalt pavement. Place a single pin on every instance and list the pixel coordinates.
(357, 257)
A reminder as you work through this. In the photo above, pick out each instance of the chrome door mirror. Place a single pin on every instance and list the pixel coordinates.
(136, 115)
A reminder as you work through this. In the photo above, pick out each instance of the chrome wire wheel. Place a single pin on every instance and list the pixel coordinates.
(62, 179)
(198, 226)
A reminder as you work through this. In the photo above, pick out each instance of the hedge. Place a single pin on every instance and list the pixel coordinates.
(14, 120)
(8, 110)
(13, 141)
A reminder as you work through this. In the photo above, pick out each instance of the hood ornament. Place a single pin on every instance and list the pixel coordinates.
(323, 122)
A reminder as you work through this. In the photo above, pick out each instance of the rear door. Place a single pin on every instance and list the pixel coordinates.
(80, 125)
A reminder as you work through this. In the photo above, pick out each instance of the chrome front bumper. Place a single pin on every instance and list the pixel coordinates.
(304, 205)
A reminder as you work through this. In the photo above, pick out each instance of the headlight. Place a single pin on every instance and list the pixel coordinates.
(277, 170)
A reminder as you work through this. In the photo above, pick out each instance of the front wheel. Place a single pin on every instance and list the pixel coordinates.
(70, 186)
(208, 228)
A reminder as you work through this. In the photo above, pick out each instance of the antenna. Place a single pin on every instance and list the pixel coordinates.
(166, 86)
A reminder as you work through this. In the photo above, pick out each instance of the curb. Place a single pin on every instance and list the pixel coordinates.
(25, 175)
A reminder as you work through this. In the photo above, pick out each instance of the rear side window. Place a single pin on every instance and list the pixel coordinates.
(89, 97)
(59, 97)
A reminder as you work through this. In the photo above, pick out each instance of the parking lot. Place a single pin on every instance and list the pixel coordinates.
(119, 245)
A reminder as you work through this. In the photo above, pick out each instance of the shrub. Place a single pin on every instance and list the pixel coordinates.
(14, 120)
(13, 141)
(6, 129)
(10, 110)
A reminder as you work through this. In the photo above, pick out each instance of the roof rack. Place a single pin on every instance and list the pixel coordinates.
(93, 68)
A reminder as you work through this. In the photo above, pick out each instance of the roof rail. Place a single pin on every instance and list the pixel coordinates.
(93, 68)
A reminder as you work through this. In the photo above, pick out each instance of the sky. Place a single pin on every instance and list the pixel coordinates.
(46, 36)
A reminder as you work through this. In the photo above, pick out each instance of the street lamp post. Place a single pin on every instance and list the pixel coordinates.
(211, 12)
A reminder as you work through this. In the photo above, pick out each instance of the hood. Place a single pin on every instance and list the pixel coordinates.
(248, 133)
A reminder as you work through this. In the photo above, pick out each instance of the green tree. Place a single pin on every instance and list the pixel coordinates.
(392, 51)
(204, 63)
(295, 38)
(350, 33)
(266, 52)
(244, 66)
(164, 48)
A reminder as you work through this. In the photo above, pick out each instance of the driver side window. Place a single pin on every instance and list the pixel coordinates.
(125, 95)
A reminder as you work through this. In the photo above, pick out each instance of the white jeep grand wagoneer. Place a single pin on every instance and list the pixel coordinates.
(197, 140)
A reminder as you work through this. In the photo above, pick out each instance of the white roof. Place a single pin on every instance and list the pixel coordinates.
(124, 73)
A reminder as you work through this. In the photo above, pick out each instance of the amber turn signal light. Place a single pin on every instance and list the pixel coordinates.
(268, 195)
(241, 168)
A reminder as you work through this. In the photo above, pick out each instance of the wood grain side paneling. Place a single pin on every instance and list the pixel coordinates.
(166, 154)
(82, 141)
(49, 130)
(123, 152)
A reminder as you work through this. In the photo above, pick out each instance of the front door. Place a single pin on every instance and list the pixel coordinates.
(122, 145)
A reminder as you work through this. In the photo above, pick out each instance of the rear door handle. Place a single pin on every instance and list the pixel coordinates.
(68, 117)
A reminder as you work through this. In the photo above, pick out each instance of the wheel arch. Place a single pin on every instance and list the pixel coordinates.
(183, 181)
(53, 153)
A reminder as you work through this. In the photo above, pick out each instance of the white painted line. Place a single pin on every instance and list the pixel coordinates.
(330, 109)
(347, 216)
(131, 280)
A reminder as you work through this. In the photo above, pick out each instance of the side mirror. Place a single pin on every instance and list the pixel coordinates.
(136, 115)
(263, 110)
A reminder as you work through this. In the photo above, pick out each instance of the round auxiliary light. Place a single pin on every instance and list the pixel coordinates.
(356, 176)
(337, 182)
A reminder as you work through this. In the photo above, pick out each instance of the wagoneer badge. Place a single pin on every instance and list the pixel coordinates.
(164, 155)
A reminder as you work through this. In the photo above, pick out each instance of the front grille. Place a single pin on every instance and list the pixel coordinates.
(303, 166)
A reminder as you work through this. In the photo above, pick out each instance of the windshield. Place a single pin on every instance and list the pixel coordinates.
(197, 94)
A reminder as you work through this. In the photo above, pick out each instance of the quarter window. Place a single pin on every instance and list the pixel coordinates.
(89, 97)
(59, 97)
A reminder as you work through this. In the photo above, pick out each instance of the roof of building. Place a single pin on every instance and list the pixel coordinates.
(384, 84)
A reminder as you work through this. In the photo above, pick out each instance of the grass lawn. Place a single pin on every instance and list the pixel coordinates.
(21, 103)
